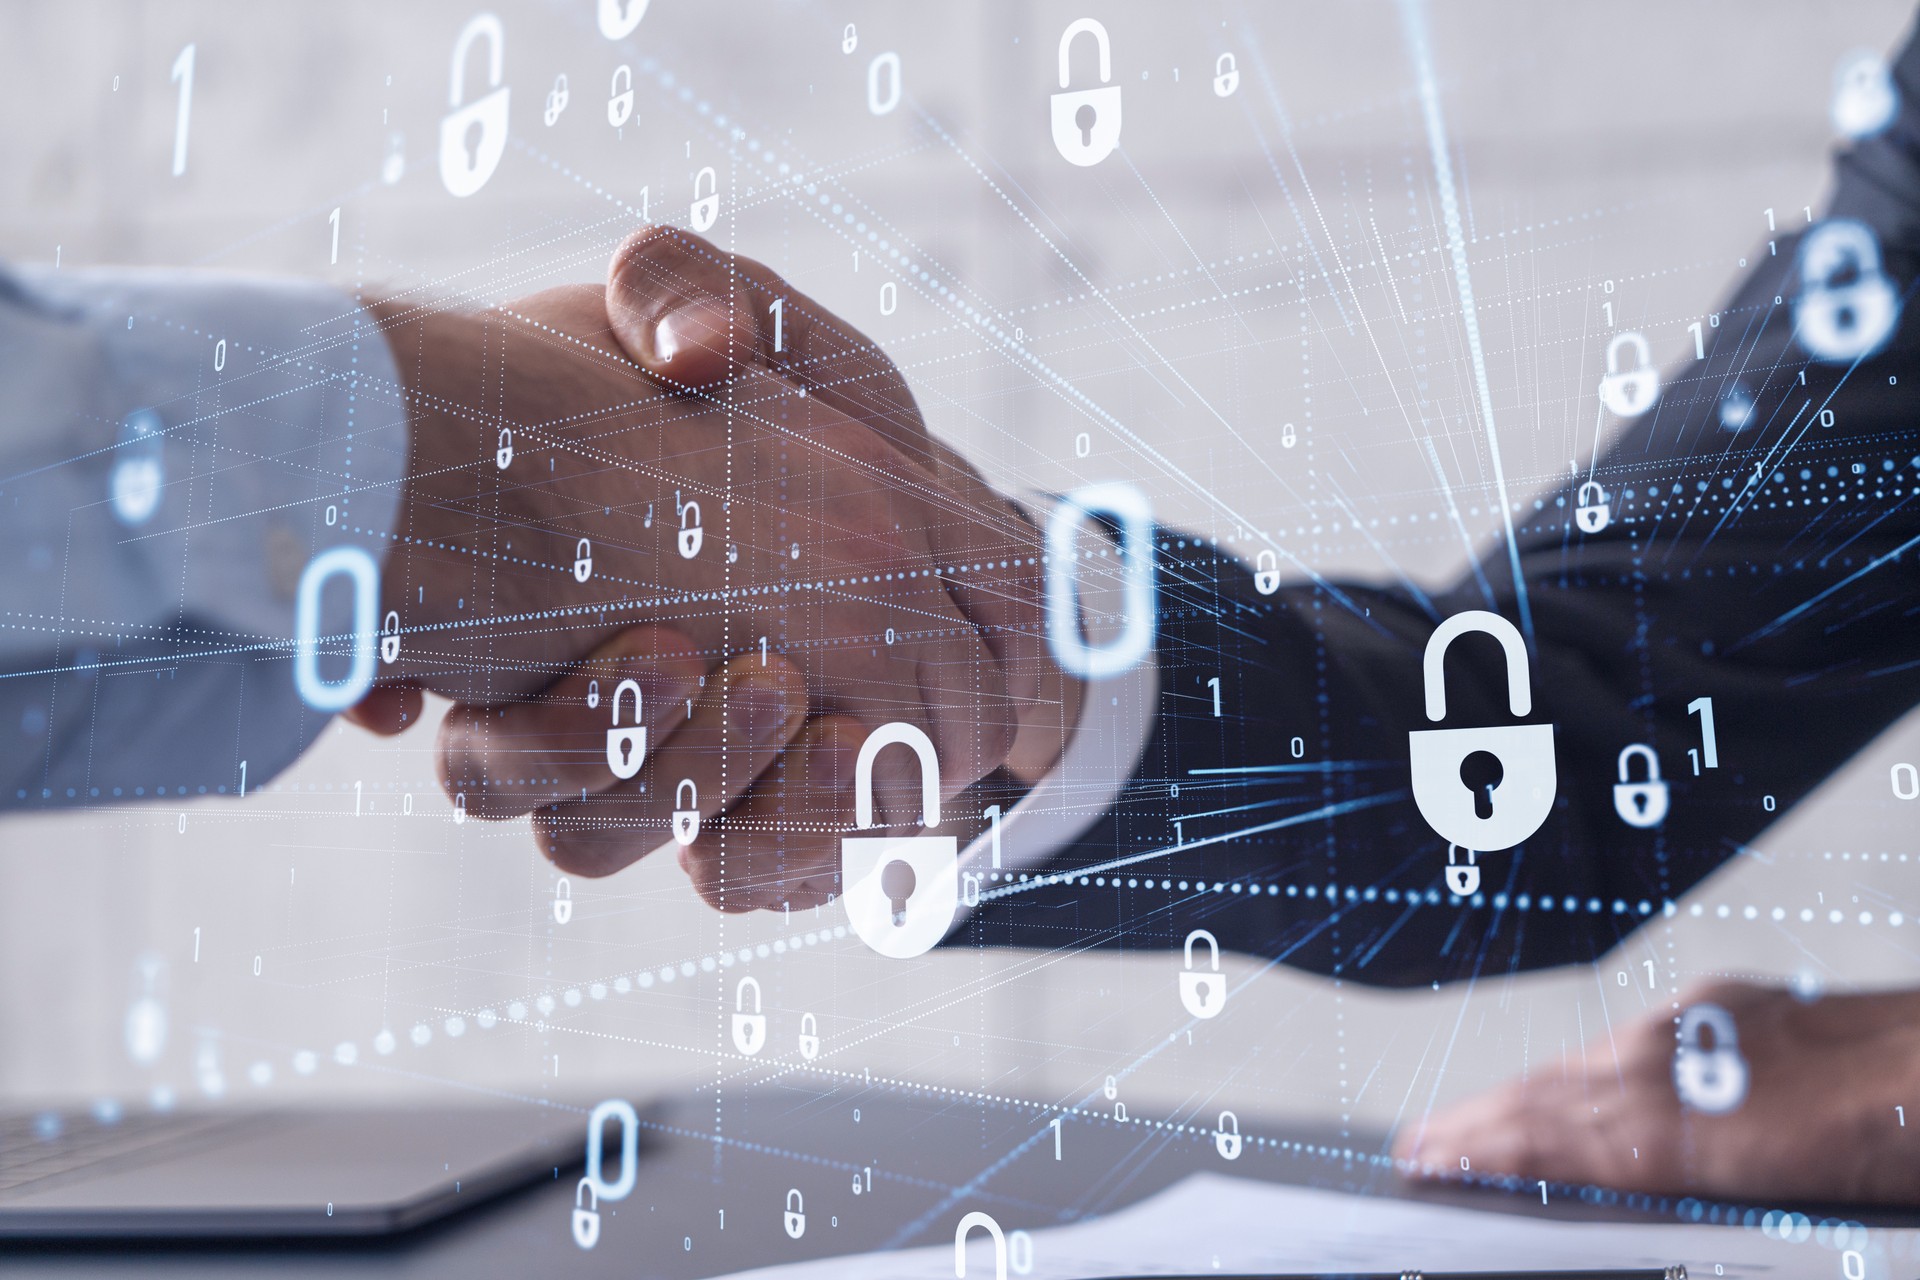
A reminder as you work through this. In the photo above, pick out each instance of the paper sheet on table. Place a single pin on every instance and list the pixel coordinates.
(1210, 1222)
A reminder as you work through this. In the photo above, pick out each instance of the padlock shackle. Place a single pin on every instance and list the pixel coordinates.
(481, 24)
(1639, 345)
(740, 994)
(1600, 495)
(583, 549)
(1519, 671)
(796, 1203)
(1473, 859)
(1226, 1118)
(911, 735)
(622, 70)
(506, 437)
(977, 1218)
(1213, 948)
(1725, 1036)
(806, 1020)
(1224, 63)
(563, 890)
(1641, 749)
(621, 688)
(686, 784)
(586, 1185)
(1833, 245)
(1099, 33)
(1268, 560)
(391, 626)
(690, 504)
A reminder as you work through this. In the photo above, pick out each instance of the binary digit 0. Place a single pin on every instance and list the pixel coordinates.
(1911, 789)
(884, 67)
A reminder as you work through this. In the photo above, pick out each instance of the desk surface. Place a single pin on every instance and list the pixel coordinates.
(714, 1179)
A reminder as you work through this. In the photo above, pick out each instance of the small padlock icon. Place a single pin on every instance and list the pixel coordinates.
(691, 535)
(1628, 393)
(393, 166)
(749, 1029)
(557, 98)
(686, 812)
(1288, 438)
(809, 1037)
(1463, 878)
(619, 100)
(1226, 78)
(1592, 514)
(618, 18)
(1847, 307)
(390, 637)
(1512, 784)
(1226, 1138)
(593, 694)
(849, 41)
(563, 901)
(1640, 804)
(1086, 122)
(503, 456)
(1736, 409)
(1204, 993)
(901, 892)
(706, 209)
(1865, 99)
(796, 1217)
(1710, 1078)
(1266, 573)
(626, 747)
(141, 470)
(583, 561)
(473, 136)
(586, 1218)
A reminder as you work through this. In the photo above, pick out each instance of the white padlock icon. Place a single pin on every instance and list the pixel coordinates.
(1266, 573)
(557, 99)
(1203, 992)
(593, 694)
(901, 892)
(686, 812)
(503, 455)
(1226, 76)
(467, 158)
(583, 561)
(141, 469)
(1463, 878)
(1865, 99)
(1712, 1078)
(1640, 804)
(1847, 307)
(563, 901)
(691, 535)
(620, 101)
(749, 1029)
(390, 637)
(1226, 1138)
(618, 18)
(1086, 122)
(706, 209)
(796, 1217)
(626, 745)
(586, 1218)
(1628, 393)
(1592, 513)
(849, 39)
(809, 1037)
(1508, 799)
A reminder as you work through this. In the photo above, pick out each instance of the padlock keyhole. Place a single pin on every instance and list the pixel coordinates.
(1201, 991)
(471, 140)
(626, 751)
(1482, 771)
(897, 881)
(1083, 121)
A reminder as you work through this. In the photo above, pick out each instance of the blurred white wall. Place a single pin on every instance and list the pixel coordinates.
(1631, 142)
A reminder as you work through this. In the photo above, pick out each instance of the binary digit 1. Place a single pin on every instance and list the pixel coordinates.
(1709, 748)
(1699, 343)
(183, 76)
(777, 311)
(1054, 1124)
(333, 259)
(1214, 684)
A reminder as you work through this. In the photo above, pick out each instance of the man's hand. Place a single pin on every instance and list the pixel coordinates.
(1818, 1124)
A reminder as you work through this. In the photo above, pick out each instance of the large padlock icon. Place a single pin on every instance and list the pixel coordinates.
(503, 455)
(586, 1218)
(691, 535)
(618, 18)
(1463, 878)
(1592, 513)
(1709, 1078)
(1865, 99)
(686, 812)
(1847, 307)
(1203, 991)
(390, 637)
(849, 39)
(1630, 392)
(1086, 122)
(749, 1029)
(901, 892)
(796, 1217)
(1640, 804)
(1226, 1138)
(706, 209)
(1226, 76)
(563, 901)
(809, 1037)
(1512, 784)
(626, 746)
(557, 98)
(473, 136)
(620, 101)
(1266, 573)
(582, 561)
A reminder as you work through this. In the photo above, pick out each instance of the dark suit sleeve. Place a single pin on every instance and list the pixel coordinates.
(1770, 568)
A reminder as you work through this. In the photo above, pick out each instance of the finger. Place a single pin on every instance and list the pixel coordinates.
(387, 709)
(509, 760)
(740, 723)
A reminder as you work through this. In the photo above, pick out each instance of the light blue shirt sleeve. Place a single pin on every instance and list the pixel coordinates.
(175, 448)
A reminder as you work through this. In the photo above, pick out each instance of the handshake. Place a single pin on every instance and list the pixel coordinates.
(696, 506)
